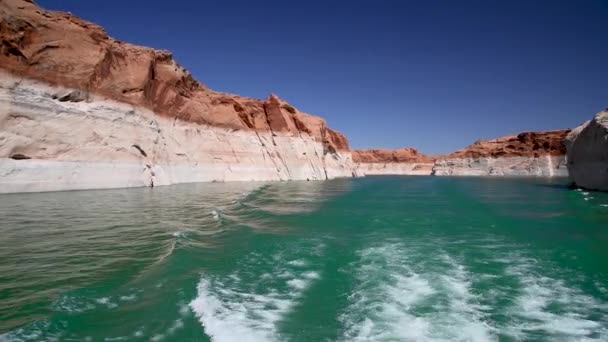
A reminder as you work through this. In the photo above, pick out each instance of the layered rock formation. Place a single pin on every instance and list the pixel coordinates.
(404, 161)
(79, 109)
(587, 147)
(525, 154)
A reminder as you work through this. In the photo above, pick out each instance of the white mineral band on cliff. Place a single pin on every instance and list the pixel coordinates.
(102, 143)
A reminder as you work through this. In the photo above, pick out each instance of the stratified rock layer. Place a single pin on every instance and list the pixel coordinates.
(61, 49)
(588, 153)
(524, 154)
(50, 144)
(80, 110)
(403, 161)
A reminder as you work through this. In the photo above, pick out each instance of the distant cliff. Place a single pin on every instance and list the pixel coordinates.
(403, 161)
(524, 154)
(528, 153)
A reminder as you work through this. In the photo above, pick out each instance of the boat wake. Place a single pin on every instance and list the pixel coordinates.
(394, 301)
(243, 306)
(406, 293)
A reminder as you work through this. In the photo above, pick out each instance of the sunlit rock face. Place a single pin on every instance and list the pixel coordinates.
(524, 154)
(546, 166)
(403, 161)
(588, 153)
(80, 110)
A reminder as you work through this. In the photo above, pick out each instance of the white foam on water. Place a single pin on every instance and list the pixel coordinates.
(231, 315)
(72, 304)
(184, 309)
(128, 298)
(106, 302)
(78, 303)
(298, 263)
(178, 324)
(157, 337)
(549, 306)
(391, 291)
(215, 214)
(298, 284)
(604, 205)
(238, 308)
(464, 319)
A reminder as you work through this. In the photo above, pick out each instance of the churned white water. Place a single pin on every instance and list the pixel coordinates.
(392, 299)
(241, 308)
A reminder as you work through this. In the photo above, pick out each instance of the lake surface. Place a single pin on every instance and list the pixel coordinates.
(372, 259)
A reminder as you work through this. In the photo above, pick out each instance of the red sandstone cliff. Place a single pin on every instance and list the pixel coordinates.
(527, 144)
(402, 155)
(62, 49)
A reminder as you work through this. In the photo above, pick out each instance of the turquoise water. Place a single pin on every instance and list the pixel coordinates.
(373, 259)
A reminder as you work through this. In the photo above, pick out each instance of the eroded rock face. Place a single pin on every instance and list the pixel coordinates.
(524, 154)
(81, 110)
(587, 147)
(403, 161)
(64, 50)
(101, 143)
(402, 155)
(526, 144)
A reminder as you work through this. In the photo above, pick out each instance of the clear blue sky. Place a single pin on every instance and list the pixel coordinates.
(435, 75)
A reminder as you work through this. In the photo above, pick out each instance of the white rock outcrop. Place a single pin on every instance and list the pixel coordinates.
(587, 147)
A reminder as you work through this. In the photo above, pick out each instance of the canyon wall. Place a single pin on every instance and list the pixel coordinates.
(404, 161)
(81, 110)
(587, 147)
(525, 154)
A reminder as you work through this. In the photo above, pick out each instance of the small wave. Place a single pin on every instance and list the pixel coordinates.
(215, 214)
(179, 234)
